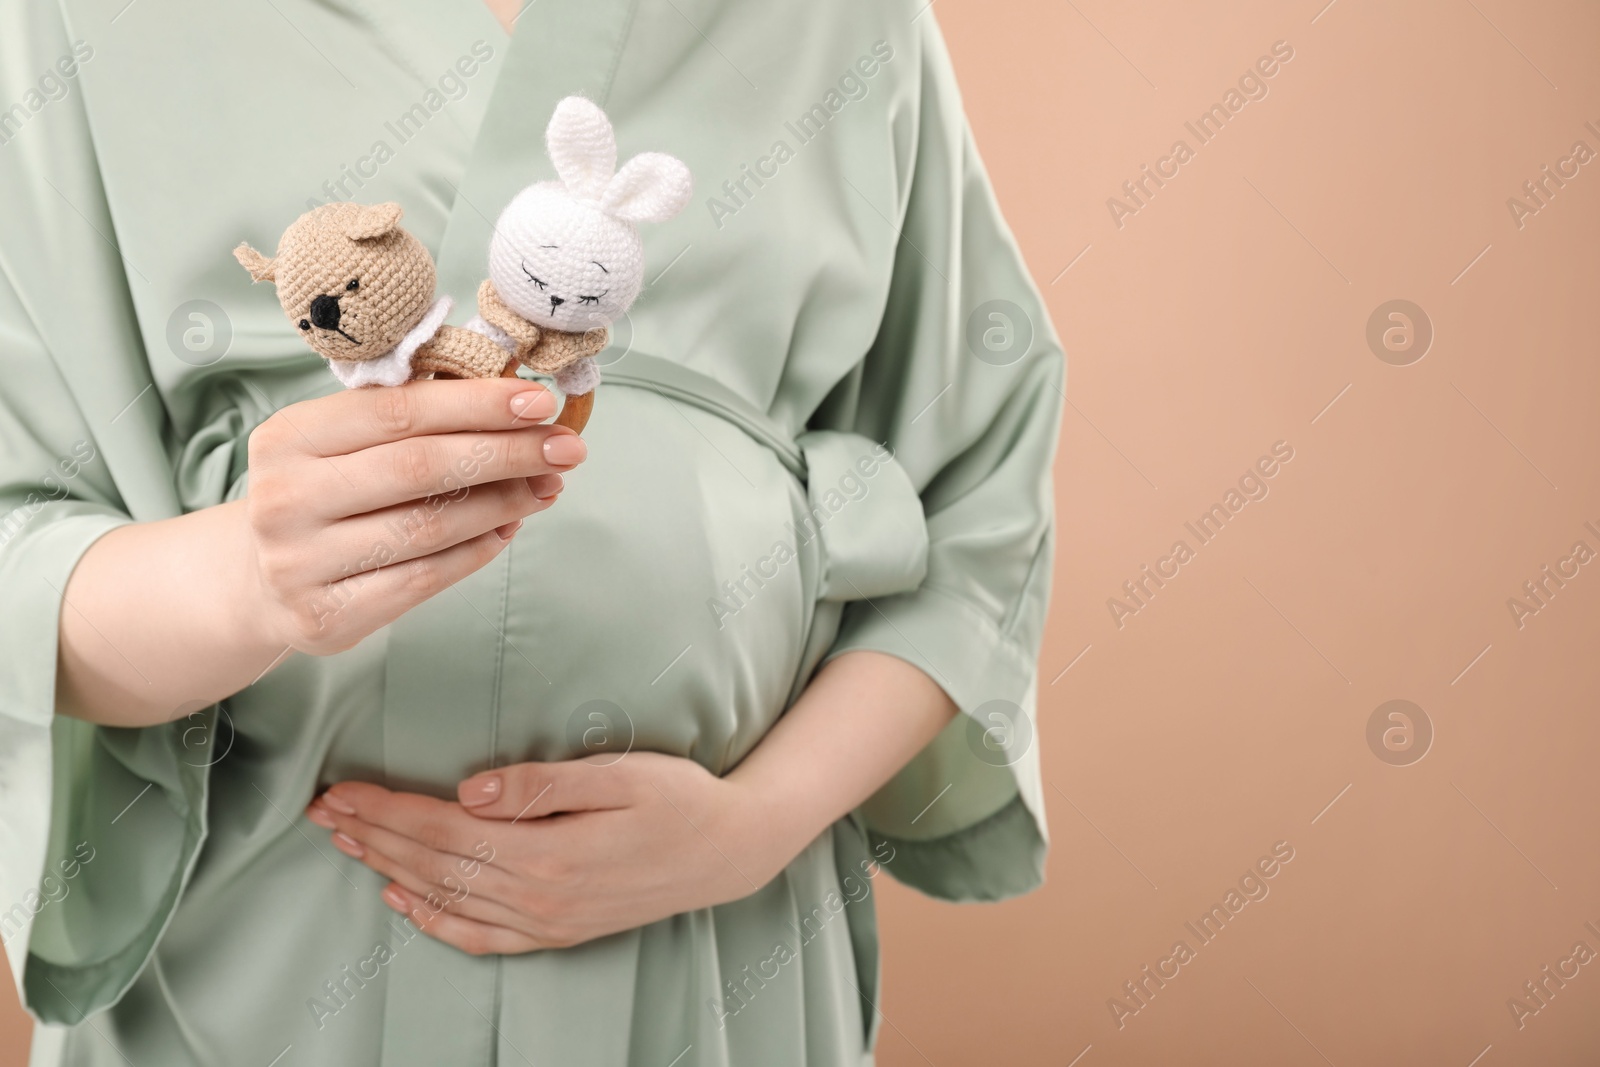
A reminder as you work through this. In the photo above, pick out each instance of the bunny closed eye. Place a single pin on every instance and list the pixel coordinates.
(564, 264)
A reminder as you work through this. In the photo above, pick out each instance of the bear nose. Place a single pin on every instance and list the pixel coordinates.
(325, 312)
(556, 301)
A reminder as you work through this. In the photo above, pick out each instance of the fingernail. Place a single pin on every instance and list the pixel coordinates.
(533, 404)
(476, 792)
(319, 815)
(546, 486)
(338, 803)
(392, 897)
(348, 845)
(565, 450)
(509, 530)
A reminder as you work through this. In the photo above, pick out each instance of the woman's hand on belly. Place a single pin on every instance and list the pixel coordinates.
(546, 855)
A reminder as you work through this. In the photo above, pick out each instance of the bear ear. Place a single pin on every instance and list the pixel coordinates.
(259, 266)
(650, 187)
(367, 222)
(582, 146)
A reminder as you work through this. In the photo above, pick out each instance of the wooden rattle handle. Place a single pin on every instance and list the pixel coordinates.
(574, 413)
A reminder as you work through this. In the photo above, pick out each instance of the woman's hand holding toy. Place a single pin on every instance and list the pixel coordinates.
(359, 506)
(364, 503)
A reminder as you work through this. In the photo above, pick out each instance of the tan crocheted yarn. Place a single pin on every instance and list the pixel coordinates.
(355, 284)
(545, 351)
(455, 352)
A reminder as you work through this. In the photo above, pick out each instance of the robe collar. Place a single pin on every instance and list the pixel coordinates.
(560, 47)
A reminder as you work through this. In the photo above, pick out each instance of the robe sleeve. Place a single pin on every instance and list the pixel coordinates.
(964, 383)
(99, 827)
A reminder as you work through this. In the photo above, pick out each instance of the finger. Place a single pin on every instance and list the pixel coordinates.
(440, 825)
(458, 898)
(375, 597)
(450, 872)
(462, 894)
(470, 936)
(355, 419)
(547, 486)
(423, 527)
(530, 790)
(435, 465)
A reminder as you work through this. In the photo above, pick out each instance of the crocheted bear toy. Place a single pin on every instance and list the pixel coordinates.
(361, 291)
(566, 261)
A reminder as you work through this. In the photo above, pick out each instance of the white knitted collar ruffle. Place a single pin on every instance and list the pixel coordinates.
(394, 368)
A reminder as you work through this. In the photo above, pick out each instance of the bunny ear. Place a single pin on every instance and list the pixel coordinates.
(650, 187)
(582, 146)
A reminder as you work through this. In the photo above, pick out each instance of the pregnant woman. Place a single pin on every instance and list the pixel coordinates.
(396, 726)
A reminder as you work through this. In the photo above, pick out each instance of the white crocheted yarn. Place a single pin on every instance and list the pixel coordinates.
(566, 254)
(395, 367)
(477, 324)
(578, 377)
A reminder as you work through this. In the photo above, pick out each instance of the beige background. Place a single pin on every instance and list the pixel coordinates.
(1228, 313)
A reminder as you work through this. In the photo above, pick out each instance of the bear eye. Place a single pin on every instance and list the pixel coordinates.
(532, 279)
(305, 324)
(592, 299)
(353, 286)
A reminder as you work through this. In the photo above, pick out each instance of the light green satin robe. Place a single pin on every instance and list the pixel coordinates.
(841, 279)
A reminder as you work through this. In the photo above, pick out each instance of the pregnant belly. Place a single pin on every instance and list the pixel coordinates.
(660, 605)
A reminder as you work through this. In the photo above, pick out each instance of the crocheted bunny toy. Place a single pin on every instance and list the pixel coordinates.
(566, 261)
(360, 290)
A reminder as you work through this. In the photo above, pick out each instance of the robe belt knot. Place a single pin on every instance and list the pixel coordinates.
(868, 514)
